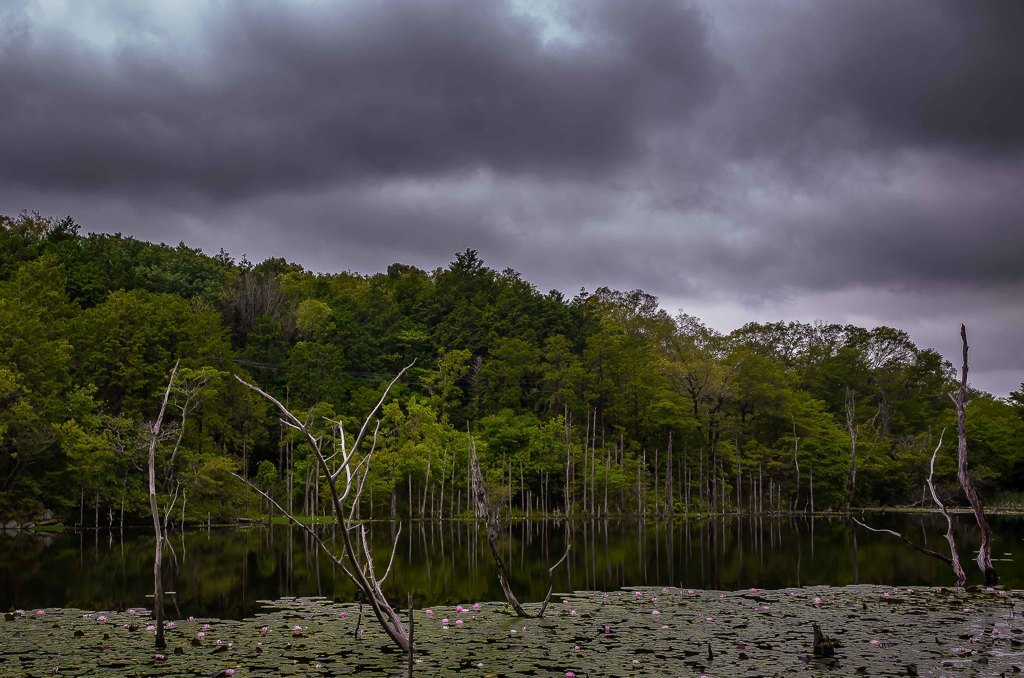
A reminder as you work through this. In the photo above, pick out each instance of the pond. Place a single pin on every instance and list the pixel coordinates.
(223, 572)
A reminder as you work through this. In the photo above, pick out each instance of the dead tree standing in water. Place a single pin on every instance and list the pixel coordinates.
(490, 513)
(960, 400)
(345, 481)
(158, 583)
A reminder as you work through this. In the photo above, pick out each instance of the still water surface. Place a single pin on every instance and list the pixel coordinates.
(224, 572)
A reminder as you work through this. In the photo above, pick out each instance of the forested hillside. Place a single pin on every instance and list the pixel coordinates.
(599, 404)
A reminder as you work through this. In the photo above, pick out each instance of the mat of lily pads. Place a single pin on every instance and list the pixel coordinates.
(878, 631)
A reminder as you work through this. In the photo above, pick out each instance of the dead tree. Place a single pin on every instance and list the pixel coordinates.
(960, 400)
(345, 480)
(954, 559)
(158, 583)
(490, 513)
(851, 428)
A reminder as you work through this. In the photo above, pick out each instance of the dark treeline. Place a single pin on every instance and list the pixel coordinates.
(599, 404)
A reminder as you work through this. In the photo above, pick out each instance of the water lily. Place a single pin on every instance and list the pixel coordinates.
(476, 606)
(229, 672)
(344, 614)
(445, 621)
(655, 613)
(691, 592)
(572, 613)
(264, 629)
(200, 635)
(296, 629)
(428, 612)
(460, 609)
(40, 613)
(459, 622)
(206, 627)
(570, 674)
(159, 657)
(101, 618)
(817, 601)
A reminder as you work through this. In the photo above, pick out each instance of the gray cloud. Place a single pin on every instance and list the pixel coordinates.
(280, 97)
(786, 159)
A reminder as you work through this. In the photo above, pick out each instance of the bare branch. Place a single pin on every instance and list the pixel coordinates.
(366, 422)
(309, 530)
(551, 581)
(918, 547)
(954, 557)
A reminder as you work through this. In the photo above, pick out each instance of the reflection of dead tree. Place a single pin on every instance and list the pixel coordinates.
(954, 559)
(158, 584)
(960, 400)
(490, 513)
(345, 481)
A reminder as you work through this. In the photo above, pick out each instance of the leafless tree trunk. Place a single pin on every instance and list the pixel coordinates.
(851, 428)
(345, 483)
(158, 583)
(796, 464)
(669, 503)
(954, 557)
(960, 399)
(490, 514)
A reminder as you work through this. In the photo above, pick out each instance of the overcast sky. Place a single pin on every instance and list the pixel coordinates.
(854, 161)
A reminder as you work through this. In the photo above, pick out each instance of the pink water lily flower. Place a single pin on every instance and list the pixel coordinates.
(296, 629)
(655, 613)
(572, 613)
(428, 612)
(200, 635)
(101, 618)
(459, 622)
(264, 629)
(344, 614)
(445, 621)
(476, 606)
(40, 613)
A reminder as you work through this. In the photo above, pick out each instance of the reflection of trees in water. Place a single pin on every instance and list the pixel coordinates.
(223, 572)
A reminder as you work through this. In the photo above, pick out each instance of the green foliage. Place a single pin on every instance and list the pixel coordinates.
(568, 401)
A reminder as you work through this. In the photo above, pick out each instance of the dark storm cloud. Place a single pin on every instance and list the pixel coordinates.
(914, 73)
(277, 96)
(850, 160)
